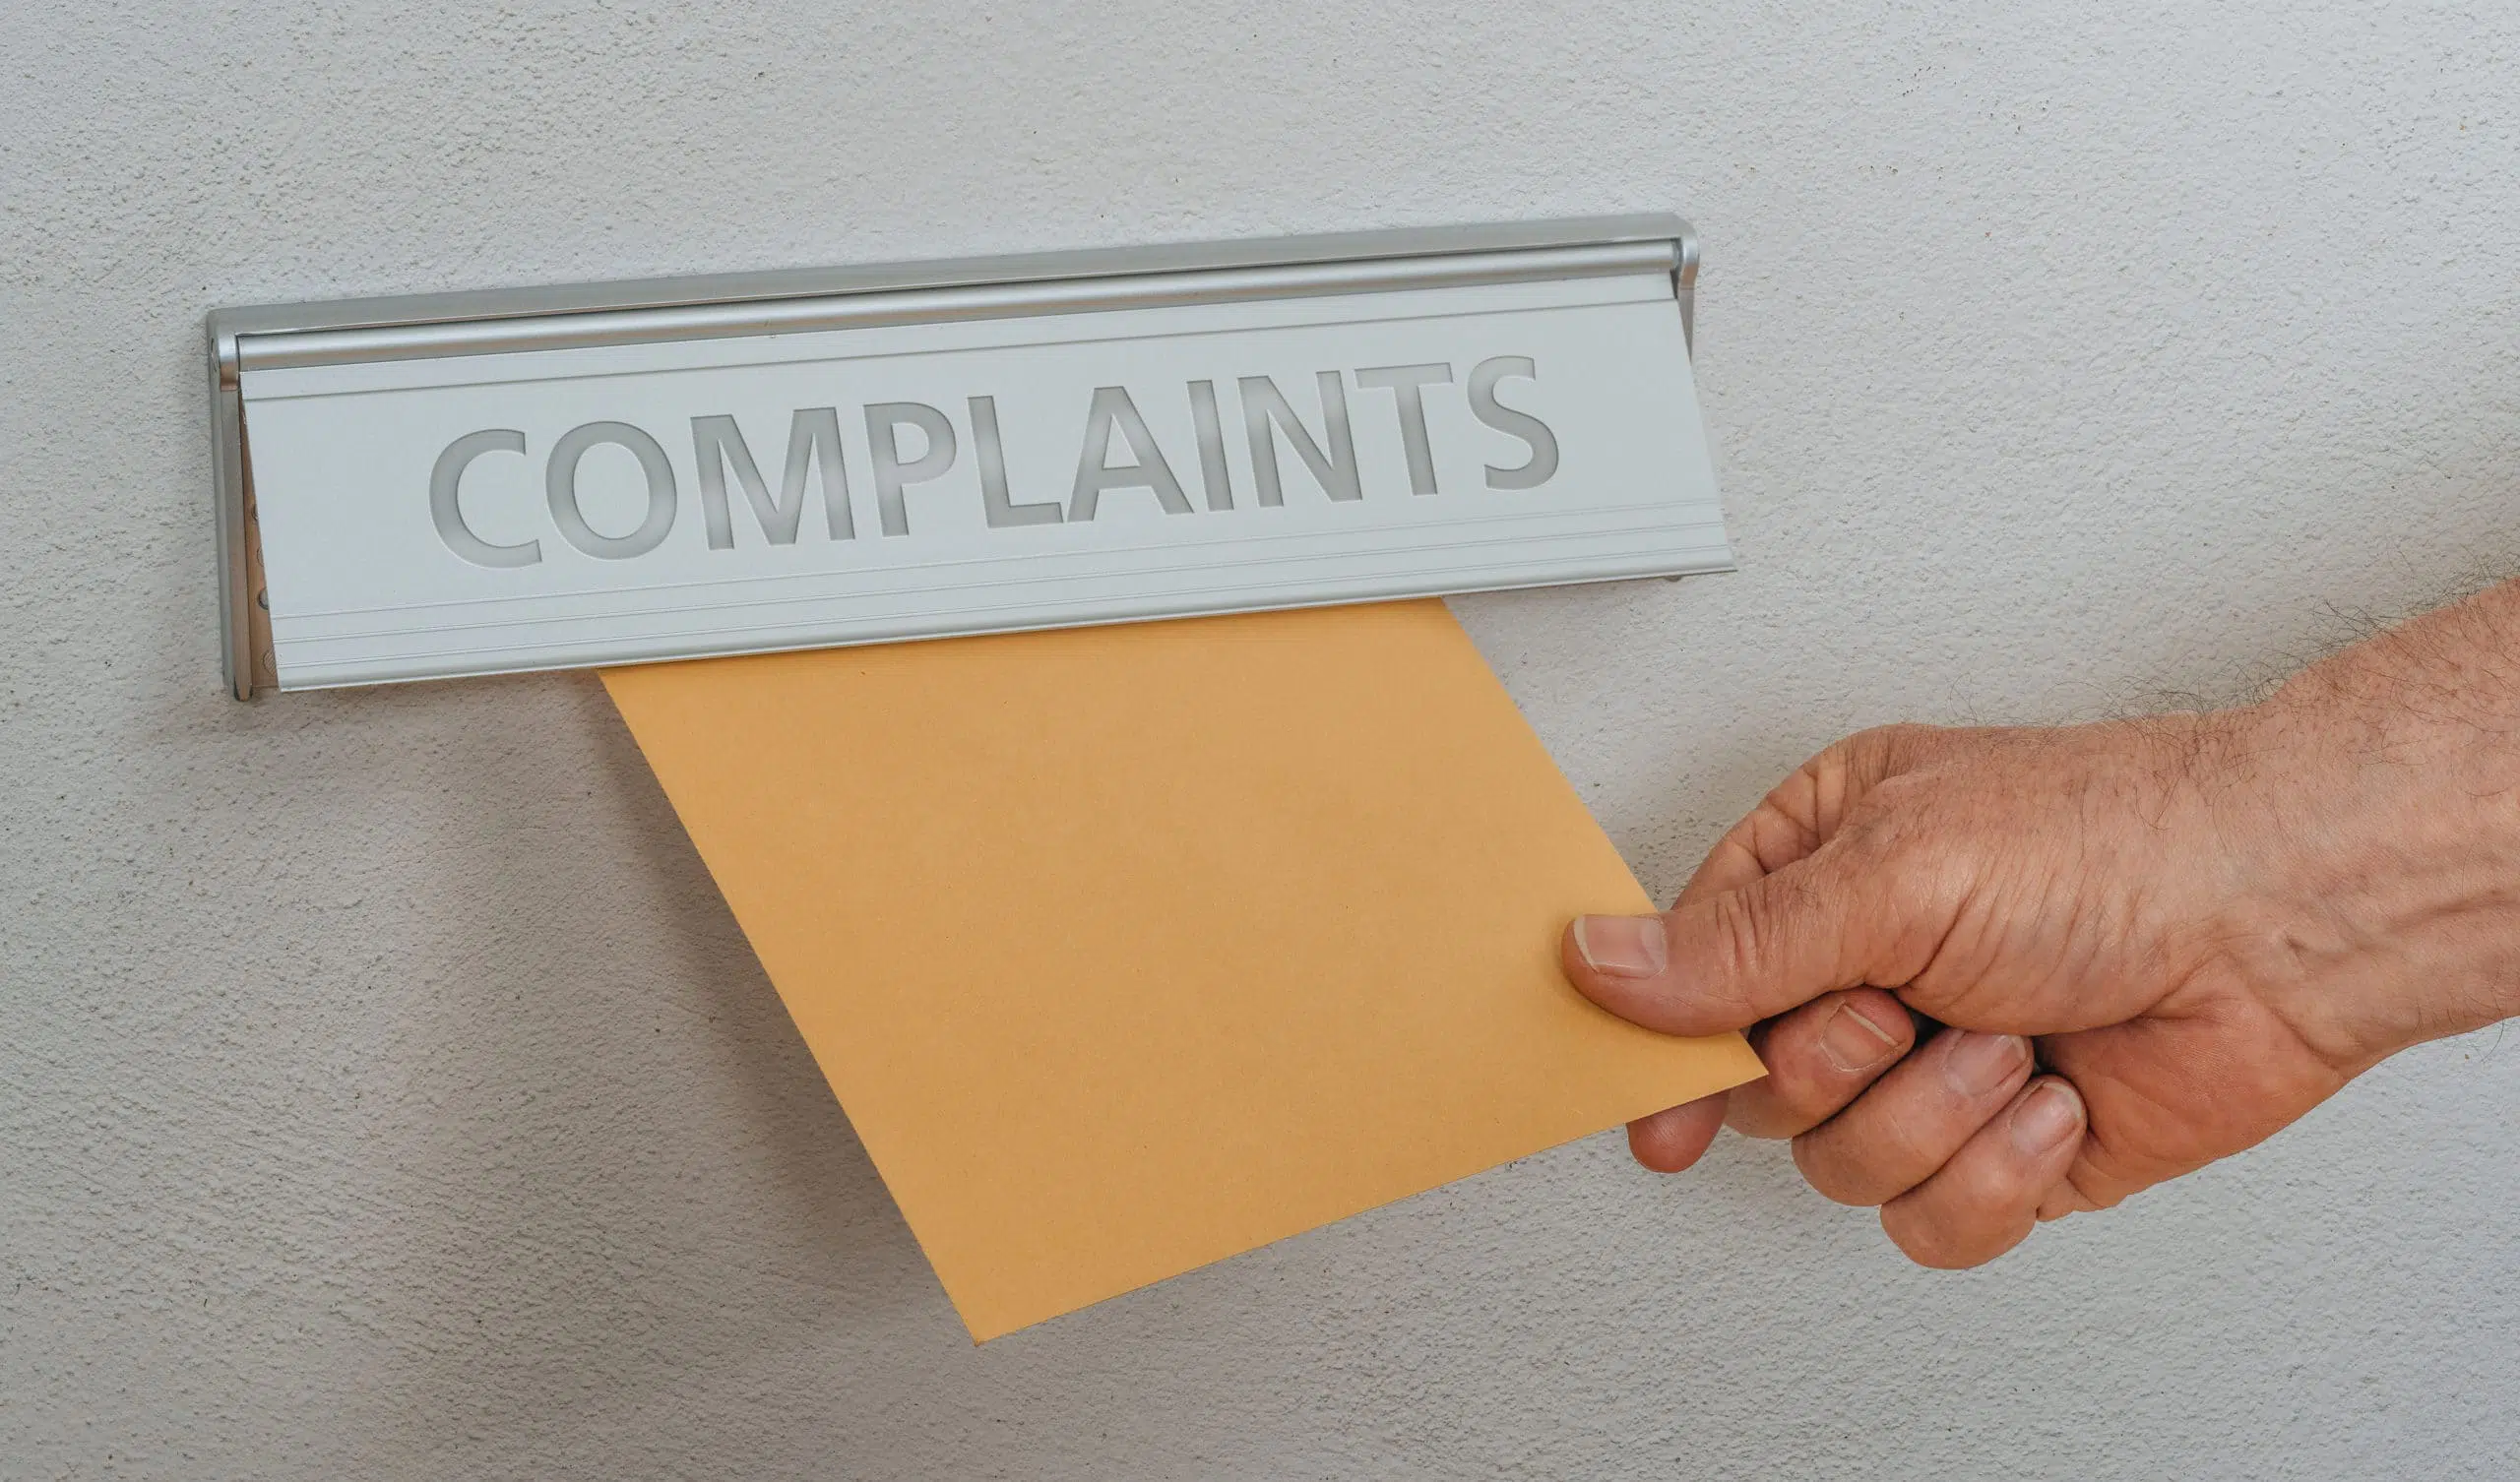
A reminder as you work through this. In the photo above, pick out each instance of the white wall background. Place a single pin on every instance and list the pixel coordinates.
(385, 1092)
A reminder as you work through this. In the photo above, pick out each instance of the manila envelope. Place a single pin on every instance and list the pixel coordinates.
(1127, 949)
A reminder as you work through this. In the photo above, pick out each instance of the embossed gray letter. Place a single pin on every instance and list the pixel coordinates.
(444, 482)
(812, 433)
(1000, 507)
(1263, 406)
(1093, 473)
(1213, 472)
(560, 487)
(891, 473)
(1409, 404)
(1505, 420)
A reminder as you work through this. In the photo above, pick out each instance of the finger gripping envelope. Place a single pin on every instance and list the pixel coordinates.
(1126, 944)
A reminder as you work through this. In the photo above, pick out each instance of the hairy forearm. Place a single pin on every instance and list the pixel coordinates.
(2391, 775)
(2450, 675)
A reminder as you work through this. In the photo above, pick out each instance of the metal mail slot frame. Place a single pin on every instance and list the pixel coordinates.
(357, 332)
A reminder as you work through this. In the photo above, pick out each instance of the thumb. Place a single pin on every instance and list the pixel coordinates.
(1727, 960)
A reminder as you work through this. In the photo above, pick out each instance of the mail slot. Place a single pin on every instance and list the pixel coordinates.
(476, 483)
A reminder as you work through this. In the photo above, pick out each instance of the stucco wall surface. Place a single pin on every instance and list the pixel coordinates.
(386, 1093)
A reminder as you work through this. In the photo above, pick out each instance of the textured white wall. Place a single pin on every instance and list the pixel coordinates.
(385, 1092)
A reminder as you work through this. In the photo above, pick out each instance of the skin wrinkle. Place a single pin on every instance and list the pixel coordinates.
(2202, 1064)
(1849, 1176)
(2461, 1008)
(2265, 952)
(2206, 921)
(2072, 930)
(1987, 1200)
(1791, 1103)
(1977, 921)
(1913, 910)
(2097, 1174)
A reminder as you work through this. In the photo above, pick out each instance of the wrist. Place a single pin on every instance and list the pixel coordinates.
(2386, 798)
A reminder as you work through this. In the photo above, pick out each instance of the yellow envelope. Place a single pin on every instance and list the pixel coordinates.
(1130, 948)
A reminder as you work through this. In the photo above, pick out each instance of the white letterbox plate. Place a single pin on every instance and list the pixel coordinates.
(476, 484)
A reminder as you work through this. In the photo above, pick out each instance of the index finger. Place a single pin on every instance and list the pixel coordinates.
(1806, 810)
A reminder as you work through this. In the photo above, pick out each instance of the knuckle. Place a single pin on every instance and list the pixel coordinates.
(1886, 743)
(2091, 1189)
(1802, 1094)
(1830, 1176)
(1916, 1238)
(1672, 1140)
(2102, 1176)
(1913, 879)
(1758, 1111)
(1872, 1155)
(1882, 753)
(1838, 783)
(2057, 1202)
(1826, 790)
(1781, 829)
(1936, 1241)
(1745, 929)
(1907, 1137)
(1817, 1064)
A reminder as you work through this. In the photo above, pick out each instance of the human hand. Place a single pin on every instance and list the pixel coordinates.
(2004, 976)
